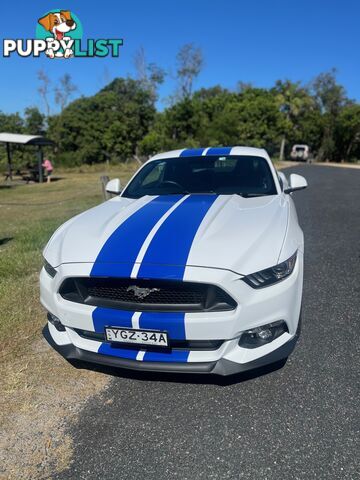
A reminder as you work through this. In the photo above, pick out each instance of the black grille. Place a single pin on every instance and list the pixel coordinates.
(145, 295)
(167, 296)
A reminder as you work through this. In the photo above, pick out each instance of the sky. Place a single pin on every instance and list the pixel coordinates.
(256, 42)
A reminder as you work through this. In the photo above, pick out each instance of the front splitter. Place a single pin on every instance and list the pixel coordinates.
(221, 367)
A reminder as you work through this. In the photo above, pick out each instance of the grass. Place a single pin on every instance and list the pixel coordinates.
(36, 383)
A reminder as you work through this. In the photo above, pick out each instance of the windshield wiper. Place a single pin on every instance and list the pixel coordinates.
(248, 195)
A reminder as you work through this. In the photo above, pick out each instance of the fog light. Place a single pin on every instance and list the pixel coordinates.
(256, 337)
(265, 334)
(56, 322)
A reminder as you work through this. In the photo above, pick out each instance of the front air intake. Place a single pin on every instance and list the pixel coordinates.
(146, 295)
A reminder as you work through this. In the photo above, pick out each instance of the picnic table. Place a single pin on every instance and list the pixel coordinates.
(30, 174)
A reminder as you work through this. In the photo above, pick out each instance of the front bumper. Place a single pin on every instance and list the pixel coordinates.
(281, 301)
(220, 367)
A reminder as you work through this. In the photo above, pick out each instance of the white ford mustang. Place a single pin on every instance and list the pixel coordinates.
(197, 266)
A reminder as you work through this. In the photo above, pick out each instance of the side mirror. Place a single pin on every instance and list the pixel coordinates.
(297, 182)
(114, 186)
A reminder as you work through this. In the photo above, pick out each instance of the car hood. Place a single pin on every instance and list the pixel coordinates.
(229, 232)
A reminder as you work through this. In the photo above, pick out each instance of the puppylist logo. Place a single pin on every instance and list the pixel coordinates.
(59, 34)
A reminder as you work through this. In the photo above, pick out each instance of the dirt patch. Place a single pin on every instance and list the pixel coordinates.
(41, 394)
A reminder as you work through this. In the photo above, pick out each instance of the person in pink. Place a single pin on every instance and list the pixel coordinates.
(48, 168)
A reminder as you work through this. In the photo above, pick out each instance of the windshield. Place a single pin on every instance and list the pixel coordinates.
(227, 175)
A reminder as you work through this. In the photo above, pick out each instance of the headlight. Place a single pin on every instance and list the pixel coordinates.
(50, 270)
(271, 275)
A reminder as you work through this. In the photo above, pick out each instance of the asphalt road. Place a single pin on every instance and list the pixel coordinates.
(298, 422)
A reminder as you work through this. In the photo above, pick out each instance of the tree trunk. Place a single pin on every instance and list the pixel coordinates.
(282, 148)
(348, 150)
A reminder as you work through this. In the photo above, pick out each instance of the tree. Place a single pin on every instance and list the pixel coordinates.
(64, 91)
(292, 100)
(329, 95)
(251, 118)
(34, 121)
(309, 129)
(43, 90)
(216, 116)
(243, 86)
(12, 123)
(140, 65)
(189, 64)
(348, 133)
(106, 126)
(331, 98)
(150, 75)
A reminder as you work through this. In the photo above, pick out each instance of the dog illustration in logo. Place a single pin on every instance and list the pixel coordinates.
(58, 24)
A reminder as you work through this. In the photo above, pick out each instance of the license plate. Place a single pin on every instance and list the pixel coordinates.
(136, 337)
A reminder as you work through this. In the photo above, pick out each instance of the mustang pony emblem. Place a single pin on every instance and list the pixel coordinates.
(141, 292)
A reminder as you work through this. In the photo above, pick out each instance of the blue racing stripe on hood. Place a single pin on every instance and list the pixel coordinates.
(219, 151)
(192, 152)
(172, 242)
(118, 254)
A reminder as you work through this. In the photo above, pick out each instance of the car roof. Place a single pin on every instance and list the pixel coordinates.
(209, 151)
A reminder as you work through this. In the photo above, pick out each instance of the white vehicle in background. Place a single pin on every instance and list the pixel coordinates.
(300, 153)
(196, 266)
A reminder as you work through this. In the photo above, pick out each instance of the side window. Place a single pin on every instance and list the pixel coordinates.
(155, 176)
